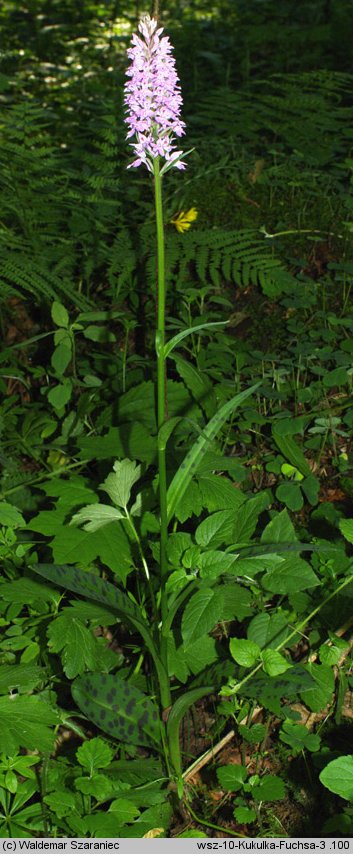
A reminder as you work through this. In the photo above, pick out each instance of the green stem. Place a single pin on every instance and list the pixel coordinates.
(161, 415)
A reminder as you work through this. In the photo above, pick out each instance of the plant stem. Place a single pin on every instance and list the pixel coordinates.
(161, 416)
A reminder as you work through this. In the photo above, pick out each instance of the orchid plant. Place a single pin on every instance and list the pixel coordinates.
(153, 105)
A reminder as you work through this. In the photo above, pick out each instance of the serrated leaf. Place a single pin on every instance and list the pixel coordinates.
(25, 722)
(244, 815)
(62, 802)
(119, 483)
(23, 677)
(324, 684)
(291, 575)
(201, 614)
(10, 517)
(337, 777)
(89, 585)
(245, 652)
(96, 516)
(70, 637)
(118, 708)
(274, 663)
(94, 754)
(189, 466)
(26, 591)
(232, 777)
(268, 629)
(279, 530)
(124, 811)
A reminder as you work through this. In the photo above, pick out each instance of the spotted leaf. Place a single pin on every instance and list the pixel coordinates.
(119, 709)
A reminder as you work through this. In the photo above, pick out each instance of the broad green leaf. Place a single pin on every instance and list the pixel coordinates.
(237, 602)
(214, 563)
(118, 708)
(346, 528)
(291, 575)
(173, 342)
(23, 677)
(62, 356)
(274, 663)
(290, 494)
(245, 652)
(24, 722)
(298, 737)
(232, 777)
(124, 811)
(97, 785)
(338, 777)
(10, 517)
(198, 384)
(119, 483)
(26, 591)
(133, 439)
(219, 493)
(96, 516)
(60, 395)
(269, 630)
(247, 515)
(94, 754)
(270, 788)
(253, 734)
(159, 816)
(177, 665)
(89, 585)
(62, 802)
(59, 314)
(201, 614)
(217, 529)
(189, 466)
(289, 448)
(324, 683)
(244, 815)
(78, 647)
(279, 530)
(200, 654)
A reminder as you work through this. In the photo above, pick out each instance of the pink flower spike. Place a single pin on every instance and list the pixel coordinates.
(153, 99)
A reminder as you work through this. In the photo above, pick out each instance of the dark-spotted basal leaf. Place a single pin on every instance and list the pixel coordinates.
(119, 709)
(93, 587)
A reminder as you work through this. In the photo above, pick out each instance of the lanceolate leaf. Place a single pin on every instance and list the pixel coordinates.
(192, 460)
(118, 708)
(89, 585)
(173, 342)
(177, 713)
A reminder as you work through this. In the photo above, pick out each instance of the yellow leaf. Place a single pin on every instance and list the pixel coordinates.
(183, 220)
(152, 834)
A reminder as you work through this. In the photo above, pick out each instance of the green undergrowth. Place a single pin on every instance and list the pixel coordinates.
(258, 436)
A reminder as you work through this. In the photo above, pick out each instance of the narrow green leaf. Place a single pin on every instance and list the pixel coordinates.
(179, 709)
(118, 708)
(190, 464)
(173, 342)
